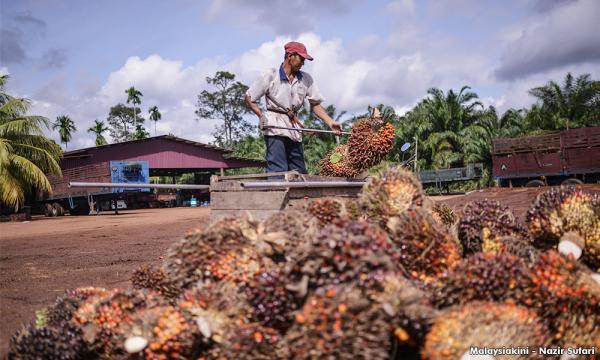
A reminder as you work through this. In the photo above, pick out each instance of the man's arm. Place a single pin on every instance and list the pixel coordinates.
(262, 120)
(318, 110)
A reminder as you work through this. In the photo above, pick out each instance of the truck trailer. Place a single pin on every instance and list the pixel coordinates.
(567, 157)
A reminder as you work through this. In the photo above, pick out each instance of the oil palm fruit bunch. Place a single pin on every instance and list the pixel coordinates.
(272, 304)
(411, 310)
(64, 307)
(484, 325)
(565, 293)
(339, 322)
(390, 194)
(370, 142)
(483, 223)
(61, 343)
(222, 252)
(337, 163)
(483, 276)
(288, 229)
(344, 251)
(145, 277)
(159, 332)
(328, 209)
(245, 340)
(100, 317)
(569, 218)
(425, 248)
(443, 214)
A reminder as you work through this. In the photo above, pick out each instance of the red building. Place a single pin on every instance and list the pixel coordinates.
(166, 155)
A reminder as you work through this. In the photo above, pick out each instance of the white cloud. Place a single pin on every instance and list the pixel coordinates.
(566, 34)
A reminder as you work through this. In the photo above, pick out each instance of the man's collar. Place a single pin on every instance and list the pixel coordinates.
(283, 76)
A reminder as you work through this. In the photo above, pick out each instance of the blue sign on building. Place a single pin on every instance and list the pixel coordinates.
(131, 172)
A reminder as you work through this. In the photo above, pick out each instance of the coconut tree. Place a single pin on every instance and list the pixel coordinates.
(155, 115)
(66, 128)
(26, 155)
(99, 128)
(134, 96)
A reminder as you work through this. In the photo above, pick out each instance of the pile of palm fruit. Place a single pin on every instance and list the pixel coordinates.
(370, 141)
(389, 275)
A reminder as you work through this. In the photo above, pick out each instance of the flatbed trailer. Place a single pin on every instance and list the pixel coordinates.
(565, 157)
(442, 178)
(262, 195)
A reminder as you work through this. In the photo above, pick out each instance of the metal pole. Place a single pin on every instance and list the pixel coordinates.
(301, 184)
(308, 130)
(416, 152)
(138, 186)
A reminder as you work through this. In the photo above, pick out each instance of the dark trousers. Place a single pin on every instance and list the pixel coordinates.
(284, 154)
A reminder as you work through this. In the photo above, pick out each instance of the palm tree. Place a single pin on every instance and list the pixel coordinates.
(155, 115)
(574, 104)
(437, 122)
(65, 127)
(98, 129)
(26, 155)
(134, 96)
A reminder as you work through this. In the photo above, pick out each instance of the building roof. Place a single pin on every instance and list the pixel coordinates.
(165, 151)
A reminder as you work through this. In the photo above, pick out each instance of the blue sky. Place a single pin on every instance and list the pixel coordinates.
(78, 57)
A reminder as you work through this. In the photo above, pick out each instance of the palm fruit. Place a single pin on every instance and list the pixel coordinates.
(213, 306)
(339, 322)
(223, 252)
(370, 142)
(484, 325)
(245, 340)
(390, 194)
(570, 216)
(327, 209)
(159, 332)
(411, 310)
(288, 229)
(483, 223)
(344, 251)
(99, 317)
(337, 163)
(565, 293)
(60, 343)
(425, 248)
(271, 302)
(64, 307)
(145, 277)
(443, 214)
(483, 276)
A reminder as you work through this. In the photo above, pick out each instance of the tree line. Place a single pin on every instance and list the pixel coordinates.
(453, 128)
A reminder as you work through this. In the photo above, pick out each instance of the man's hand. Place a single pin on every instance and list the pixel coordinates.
(262, 122)
(337, 127)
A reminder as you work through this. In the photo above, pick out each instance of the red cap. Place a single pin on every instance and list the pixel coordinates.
(298, 48)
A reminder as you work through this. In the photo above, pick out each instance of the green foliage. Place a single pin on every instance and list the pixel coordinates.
(66, 128)
(140, 132)
(227, 104)
(26, 155)
(98, 129)
(121, 122)
(574, 104)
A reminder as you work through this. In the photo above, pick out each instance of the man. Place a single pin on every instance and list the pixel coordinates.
(286, 89)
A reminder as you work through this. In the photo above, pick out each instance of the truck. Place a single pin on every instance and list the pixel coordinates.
(567, 157)
(83, 201)
(442, 178)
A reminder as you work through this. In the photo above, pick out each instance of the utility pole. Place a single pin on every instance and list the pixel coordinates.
(416, 152)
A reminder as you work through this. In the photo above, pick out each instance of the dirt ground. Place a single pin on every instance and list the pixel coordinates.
(40, 259)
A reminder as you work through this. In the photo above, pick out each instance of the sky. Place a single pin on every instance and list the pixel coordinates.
(77, 58)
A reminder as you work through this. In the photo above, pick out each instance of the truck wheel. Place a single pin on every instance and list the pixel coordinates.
(60, 211)
(535, 183)
(50, 211)
(572, 181)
